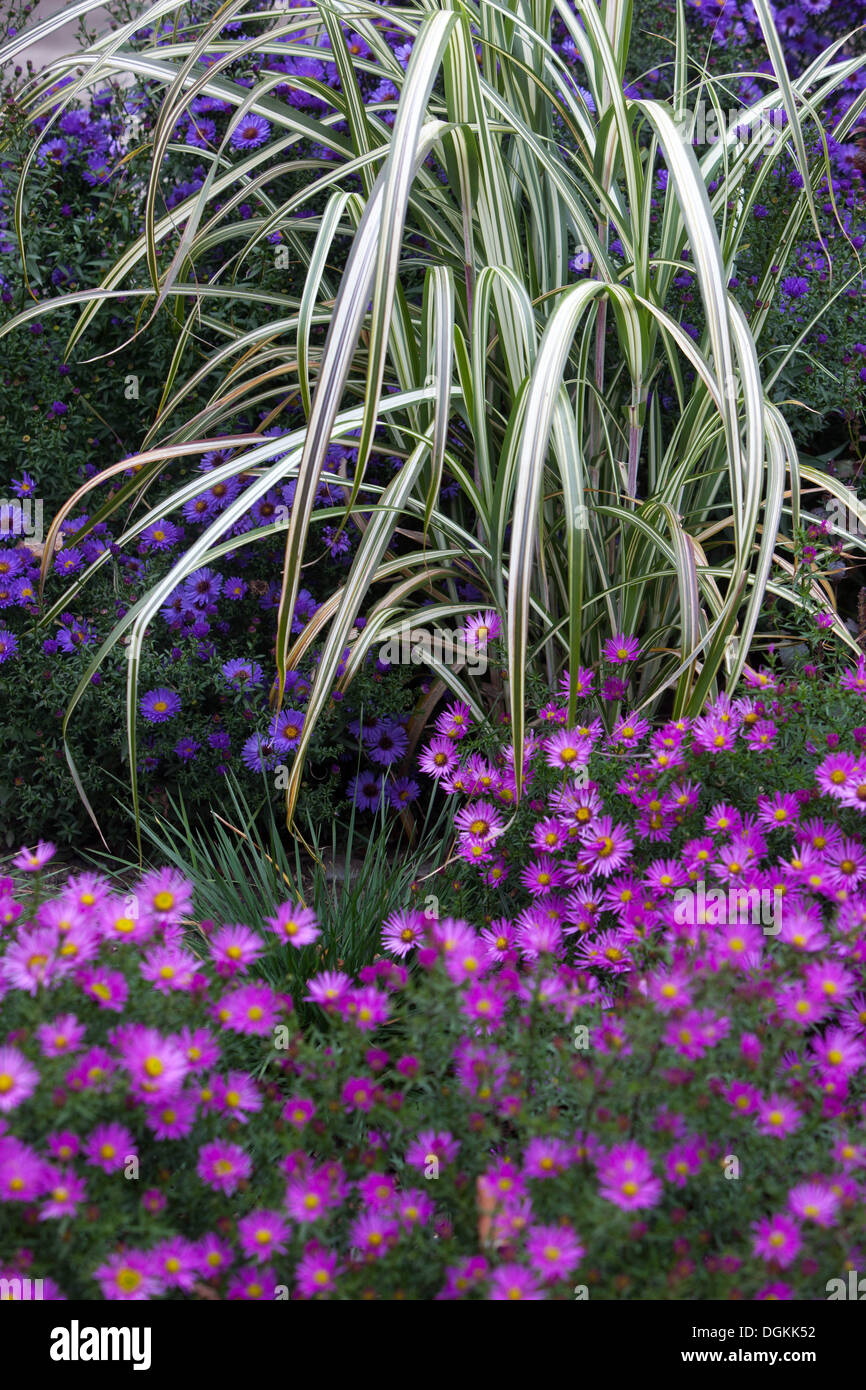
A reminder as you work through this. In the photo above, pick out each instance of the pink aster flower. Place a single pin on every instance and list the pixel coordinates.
(199, 1047)
(814, 1201)
(252, 1008)
(778, 1116)
(262, 1234)
(255, 1284)
(169, 968)
(173, 1117)
(237, 1095)
(373, 1233)
(439, 757)
(166, 895)
(62, 1037)
(432, 1146)
(156, 1065)
(30, 861)
(64, 1193)
(360, 1093)
(110, 1147)
(308, 1197)
(837, 1053)
(23, 1174)
(223, 1166)
(554, 1251)
(213, 1255)
(606, 847)
(367, 1008)
(18, 1078)
(777, 1238)
(299, 1111)
(621, 648)
(403, 930)
(567, 750)
(130, 1277)
(235, 948)
(482, 628)
(329, 989)
(510, 1283)
(294, 923)
(546, 1158)
(315, 1271)
(177, 1261)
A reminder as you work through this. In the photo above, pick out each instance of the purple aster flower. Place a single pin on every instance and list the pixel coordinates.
(187, 749)
(160, 705)
(250, 132)
(242, 674)
(8, 645)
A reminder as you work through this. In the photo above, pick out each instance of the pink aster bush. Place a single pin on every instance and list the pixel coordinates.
(629, 1063)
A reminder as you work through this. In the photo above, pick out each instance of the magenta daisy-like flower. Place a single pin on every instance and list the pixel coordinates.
(234, 948)
(307, 1197)
(621, 648)
(777, 1238)
(605, 847)
(165, 894)
(299, 1111)
(482, 628)
(223, 1166)
(64, 1192)
(62, 1037)
(814, 1201)
(778, 1116)
(837, 772)
(295, 924)
(172, 1118)
(368, 1008)
(18, 1078)
(455, 721)
(439, 757)
(30, 861)
(567, 750)
(511, 1283)
(837, 1053)
(107, 987)
(252, 1008)
(432, 1147)
(110, 1147)
(169, 968)
(178, 1263)
(480, 820)
(262, 1234)
(329, 989)
(157, 1066)
(541, 877)
(315, 1271)
(237, 1095)
(554, 1251)
(402, 931)
(626, 1177)
(130, 1277)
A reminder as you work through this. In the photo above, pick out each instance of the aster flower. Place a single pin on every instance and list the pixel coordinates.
(18, 1078)
(814, 1201)
(295, 924)
(778, 1116)
(777, 1238)
(262, 1234)
(110, 1147)
(315, 1272)
(621, 648)
(223, 1166)
(33, 860)
(250, 132)
(158, 706)
(481, 628)
(234, 948)
(130, 1276)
